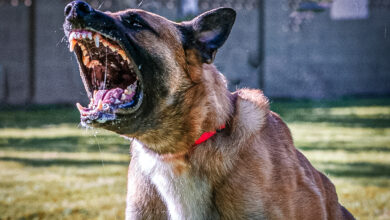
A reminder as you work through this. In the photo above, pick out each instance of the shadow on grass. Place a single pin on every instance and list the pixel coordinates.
(67, 144)
(345, 121)
(357, 169)
(61, 162)
(307, 111)
(345, 148)
(38, 116)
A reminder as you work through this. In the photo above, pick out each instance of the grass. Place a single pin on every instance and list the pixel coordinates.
(52, 169)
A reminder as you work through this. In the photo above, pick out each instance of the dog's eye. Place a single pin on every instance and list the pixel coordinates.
(132, 23)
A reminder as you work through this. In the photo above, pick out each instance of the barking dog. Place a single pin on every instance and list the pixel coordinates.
(199, 151)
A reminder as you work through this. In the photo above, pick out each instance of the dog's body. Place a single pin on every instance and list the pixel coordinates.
(248, 170)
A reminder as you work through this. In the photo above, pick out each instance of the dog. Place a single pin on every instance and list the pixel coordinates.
(198, 151)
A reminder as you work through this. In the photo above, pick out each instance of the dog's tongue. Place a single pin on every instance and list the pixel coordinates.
(108, 96)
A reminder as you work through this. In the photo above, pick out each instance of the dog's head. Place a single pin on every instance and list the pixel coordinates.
(138, 68)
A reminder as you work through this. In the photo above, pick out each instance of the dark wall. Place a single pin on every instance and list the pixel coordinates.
(14, 54)
(327, 58)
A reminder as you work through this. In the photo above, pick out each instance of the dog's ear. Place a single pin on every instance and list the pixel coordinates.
(208, 32)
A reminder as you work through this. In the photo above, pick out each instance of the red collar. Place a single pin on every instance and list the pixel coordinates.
(207, 135)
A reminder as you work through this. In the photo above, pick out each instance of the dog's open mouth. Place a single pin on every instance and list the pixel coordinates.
(108, 73)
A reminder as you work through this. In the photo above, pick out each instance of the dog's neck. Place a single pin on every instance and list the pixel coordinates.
(204, 106)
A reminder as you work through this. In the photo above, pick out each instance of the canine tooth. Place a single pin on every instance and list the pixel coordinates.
(131, 88)
(113, 48)
(86, 60)
(85, 53)
(71, 36)
(80, 107)
(97, 40)
(72, 45)
(83, 48)
(94, 93)
(123, 54)
(90, 35)
(100, 105)
(105, 43)
(84, 35)
(78, 35)
(94, 63)
(123, 97)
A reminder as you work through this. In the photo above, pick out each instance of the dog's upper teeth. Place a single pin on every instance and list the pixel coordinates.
(72, 45)
(100, 105)
(97, 40)
(84, 35)
(72, 36)
(123, 54)
(90, 35)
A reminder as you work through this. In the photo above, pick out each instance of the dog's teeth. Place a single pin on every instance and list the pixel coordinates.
(117, 101)
(72, 45)
(123, 54)
(86, 60)
(80, 107)
(100, 105)
(72, 36)
(94, 63)
(84, 35)
(97, 40)
(85, 52)
(90, 35)
(131, 88)
(90, 103)
(123, 97)
(78, 35)
(113, 48)
(94, 93)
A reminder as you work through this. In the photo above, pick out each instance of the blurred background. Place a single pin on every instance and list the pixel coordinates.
(324, 64)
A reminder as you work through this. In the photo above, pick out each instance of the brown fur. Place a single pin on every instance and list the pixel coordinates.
(253, 168)
(249, 170)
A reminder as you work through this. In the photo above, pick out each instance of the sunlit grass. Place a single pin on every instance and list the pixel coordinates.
(52, 169)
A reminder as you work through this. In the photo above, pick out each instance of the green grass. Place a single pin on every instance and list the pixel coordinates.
(50, 168)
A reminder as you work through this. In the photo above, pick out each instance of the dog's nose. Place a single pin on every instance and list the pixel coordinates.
(77, 10)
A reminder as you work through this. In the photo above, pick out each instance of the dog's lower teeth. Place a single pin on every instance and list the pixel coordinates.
(97, 40)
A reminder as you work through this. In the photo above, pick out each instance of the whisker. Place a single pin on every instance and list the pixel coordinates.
(105, 72)
(139, 5)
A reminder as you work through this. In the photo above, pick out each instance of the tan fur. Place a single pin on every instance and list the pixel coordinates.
(254, 170)
(249, 170)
